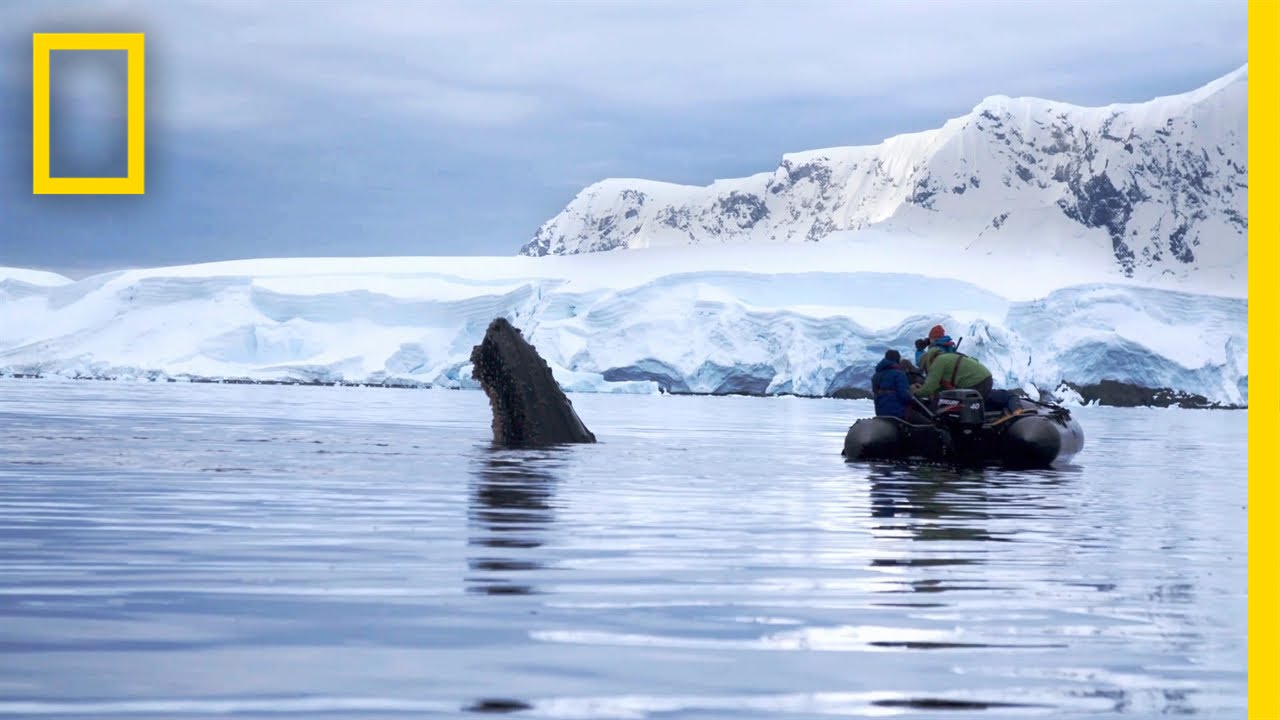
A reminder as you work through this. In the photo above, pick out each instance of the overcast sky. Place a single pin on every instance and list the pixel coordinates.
(420, 127)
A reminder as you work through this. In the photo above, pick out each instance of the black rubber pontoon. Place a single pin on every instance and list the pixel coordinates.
(1035, 435)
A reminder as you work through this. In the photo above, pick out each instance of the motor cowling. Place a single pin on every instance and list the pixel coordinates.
(961, 406)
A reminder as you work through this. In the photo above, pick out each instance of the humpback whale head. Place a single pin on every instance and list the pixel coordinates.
(529, 407)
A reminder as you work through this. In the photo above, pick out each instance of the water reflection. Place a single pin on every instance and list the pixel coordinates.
(510, 510)
(951, 508)
(952, 503)
(959, 504)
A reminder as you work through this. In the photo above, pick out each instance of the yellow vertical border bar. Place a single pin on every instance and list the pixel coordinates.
(137, 120)
(39, 110)
(134, 46)
(1264, 385)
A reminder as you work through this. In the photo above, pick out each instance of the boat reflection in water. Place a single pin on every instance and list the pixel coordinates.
(958, 512)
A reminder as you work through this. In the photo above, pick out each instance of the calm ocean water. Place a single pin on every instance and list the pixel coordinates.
(201, 551)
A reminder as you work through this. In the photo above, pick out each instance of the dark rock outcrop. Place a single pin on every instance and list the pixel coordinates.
(529, 407)
(851, 393)
(1120, 394)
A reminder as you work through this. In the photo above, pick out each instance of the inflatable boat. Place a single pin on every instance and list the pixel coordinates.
(961, 430)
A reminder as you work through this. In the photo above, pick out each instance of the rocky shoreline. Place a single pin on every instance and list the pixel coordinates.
(1106, 393)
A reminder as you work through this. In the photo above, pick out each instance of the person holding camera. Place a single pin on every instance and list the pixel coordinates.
(946, 368)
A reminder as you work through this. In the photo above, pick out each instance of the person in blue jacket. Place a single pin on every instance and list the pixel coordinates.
(890, 387)
(921, 346)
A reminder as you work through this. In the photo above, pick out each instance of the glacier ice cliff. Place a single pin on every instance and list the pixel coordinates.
(808, 332)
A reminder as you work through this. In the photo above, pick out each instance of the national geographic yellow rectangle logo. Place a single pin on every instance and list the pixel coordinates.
(133, 182)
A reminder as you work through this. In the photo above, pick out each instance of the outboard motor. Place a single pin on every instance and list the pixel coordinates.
(960, 411)
(963, 407)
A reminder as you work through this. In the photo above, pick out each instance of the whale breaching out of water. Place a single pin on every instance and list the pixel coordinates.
(529, 407)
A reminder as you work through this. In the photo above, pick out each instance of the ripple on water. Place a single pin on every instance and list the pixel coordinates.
(192, 551)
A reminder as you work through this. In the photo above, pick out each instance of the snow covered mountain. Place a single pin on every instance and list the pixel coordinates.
(1154, 191)
(1069, 246)
(761, 320)
(32, 277)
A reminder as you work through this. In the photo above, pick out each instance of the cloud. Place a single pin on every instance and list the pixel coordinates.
(93, 83)
(404, 127)
(232, 63)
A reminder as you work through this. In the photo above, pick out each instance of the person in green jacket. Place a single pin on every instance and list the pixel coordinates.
(946, 369)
